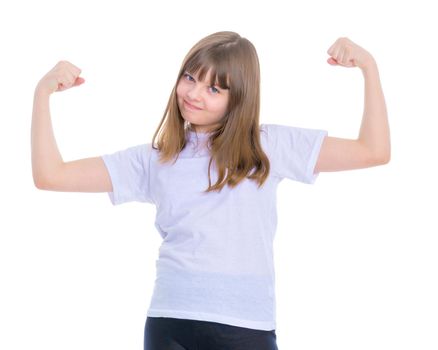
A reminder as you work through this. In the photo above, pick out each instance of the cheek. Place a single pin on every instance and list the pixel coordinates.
(180, 93)
(179, 90)
(221, 107)
(218, 109)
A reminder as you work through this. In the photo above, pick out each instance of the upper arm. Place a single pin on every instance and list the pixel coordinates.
(338, 154)
(82, 175)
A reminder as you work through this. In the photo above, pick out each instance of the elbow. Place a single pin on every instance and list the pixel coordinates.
(37, 179)
(383, 158)
(380, 156)
(40, 183)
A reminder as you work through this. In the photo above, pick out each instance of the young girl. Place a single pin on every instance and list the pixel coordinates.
(213, 175)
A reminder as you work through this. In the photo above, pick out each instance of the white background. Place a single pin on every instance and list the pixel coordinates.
(355, 253)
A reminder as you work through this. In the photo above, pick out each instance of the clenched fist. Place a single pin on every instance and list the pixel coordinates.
(346, 53)
(61, 77)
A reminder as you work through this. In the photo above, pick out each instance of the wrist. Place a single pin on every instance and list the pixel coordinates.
(369, 67)
(42, 92)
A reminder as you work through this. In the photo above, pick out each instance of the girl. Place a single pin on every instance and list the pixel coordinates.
(212, 174)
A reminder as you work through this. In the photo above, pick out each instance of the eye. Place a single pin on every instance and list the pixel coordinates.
(188, 77)
(214, 90)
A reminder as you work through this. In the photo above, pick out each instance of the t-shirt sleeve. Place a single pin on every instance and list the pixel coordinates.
(294, 151)
(129, 170)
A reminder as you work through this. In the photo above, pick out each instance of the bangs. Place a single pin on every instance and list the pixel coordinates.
(200, 64)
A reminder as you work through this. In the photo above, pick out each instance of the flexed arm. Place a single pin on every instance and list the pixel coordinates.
(49, 170)
(45, 154)
(372, 147)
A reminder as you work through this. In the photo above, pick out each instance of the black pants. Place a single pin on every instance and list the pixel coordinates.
(164, 333)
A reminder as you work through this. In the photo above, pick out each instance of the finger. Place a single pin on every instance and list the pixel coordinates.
(332, 61)
(330, 50)
(340, 55)
(78, 81)
(343, 56)
(62, 85)
(69, 78)
(75, 70)
(71, 70)
(348, 61)
(349, 53)
(65, 81)
(336, 54)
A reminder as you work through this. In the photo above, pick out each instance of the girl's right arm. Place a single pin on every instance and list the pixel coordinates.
(49, 170)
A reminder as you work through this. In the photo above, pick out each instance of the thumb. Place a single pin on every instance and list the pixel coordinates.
(332, 61)
(78, 81)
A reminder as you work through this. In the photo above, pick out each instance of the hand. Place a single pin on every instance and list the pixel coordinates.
(346, 53)
(61, 77)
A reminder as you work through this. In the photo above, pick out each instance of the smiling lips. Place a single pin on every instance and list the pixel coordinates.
(190, 106)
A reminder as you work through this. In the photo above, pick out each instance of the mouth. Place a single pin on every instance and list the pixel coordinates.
(190, 106)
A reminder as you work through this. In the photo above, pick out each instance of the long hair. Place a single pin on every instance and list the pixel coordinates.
(235, 144)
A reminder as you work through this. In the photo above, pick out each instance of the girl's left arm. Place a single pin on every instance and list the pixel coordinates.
(372, 147)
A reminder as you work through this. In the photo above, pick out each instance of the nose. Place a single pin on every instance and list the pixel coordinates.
(194, 92)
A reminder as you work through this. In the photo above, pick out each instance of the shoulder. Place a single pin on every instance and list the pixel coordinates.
(278, 137)
(271, 129)
(270, 132)
(266, 129)
(139, 153)
(277, 130)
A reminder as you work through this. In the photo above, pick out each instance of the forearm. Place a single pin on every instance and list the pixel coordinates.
(45, 154)
(374, 131)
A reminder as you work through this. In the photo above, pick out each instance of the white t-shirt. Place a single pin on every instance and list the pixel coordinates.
(216, 259)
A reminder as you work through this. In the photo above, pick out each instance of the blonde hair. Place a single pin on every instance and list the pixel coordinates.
(235, 144)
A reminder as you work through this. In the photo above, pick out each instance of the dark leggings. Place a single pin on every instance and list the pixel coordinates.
(164, 333)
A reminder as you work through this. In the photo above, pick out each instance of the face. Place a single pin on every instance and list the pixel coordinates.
(200, 103)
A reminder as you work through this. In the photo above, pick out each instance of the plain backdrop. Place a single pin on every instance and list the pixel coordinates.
(355, 253)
